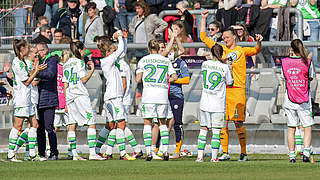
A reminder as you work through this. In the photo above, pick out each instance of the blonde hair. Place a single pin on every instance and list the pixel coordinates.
(66, 55)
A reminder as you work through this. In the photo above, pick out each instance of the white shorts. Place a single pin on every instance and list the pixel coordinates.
(35, 110)
(212, 119)
(25, 112)
(115, 110)
(80, 112)
(170, 114)
(299, 117)
(61, 118)
(154, 111)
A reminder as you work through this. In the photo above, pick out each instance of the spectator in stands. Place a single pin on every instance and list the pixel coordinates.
(83, 19)
(214, 33)
(67, 19)
(227, 13)
(155, 6)
(52, 7)
(170, 4)
(144, 27)
(311, 14)
(57, 36)
(125, 15)
(94, 25)
(44, 36)
(186, 18)
(20, 15)
(183, 37)
(248, 13)
(48, 101)
(42, 20)
(197, 6)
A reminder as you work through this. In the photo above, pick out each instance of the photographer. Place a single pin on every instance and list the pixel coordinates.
(67, 19)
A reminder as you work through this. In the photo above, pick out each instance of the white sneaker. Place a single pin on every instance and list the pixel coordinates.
(155, 156)
(37, 158)
(224, 157)
(78, 158)
(96, 157)
(199, 160)
(13, 159)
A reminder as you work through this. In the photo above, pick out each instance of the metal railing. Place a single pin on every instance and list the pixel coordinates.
(213, 11)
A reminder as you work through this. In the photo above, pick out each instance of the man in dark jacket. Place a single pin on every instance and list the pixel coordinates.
(48, 101)
(44, 36)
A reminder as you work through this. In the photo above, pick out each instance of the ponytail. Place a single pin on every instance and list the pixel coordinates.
(76, 47)
(217, 51)
(298, 48)
(17, 45)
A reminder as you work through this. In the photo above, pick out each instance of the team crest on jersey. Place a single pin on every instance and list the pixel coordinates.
(293, 71)
(232, 56)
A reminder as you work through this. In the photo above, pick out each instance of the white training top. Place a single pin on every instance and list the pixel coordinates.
(125, 71)
(34, 89)
(73, 71)
(155, 69)
(215, 77)
(114, 87)
(21, 92)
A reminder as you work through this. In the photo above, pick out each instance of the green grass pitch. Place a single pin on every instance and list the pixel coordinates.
(259, 166)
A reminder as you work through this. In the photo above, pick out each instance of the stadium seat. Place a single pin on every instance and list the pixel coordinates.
(261, 103)
(192, 95)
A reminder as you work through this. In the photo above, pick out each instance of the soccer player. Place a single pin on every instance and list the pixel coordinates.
(297, 70)
(236, 97)
(113, 96)
(126, 76)
(22, 80)
(215, 76)
(78, 101)
(32, 57)
(153, 70)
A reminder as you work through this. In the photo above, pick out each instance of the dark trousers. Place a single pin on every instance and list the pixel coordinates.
(46, 118)
(177, 110)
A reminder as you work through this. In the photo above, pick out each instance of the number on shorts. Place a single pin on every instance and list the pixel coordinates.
(214, 79)
(149, 78)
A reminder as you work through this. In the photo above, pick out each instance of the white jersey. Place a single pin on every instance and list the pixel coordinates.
(111, 72)
(34, 89)
(215, 77)
(73, 71)
(155, 69)
(21, 92)
(126, 72)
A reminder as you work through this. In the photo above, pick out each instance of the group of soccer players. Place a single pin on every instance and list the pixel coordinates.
(223, 97)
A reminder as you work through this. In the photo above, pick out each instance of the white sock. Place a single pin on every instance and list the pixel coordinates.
(23, 138)
(131, 139)
(103, 134)
(73, 143)
(13, 137)
(215, 142)
(202, 141)
(147, 137)
(121, 141)
(32, 139)
(111, 141)
(164, 135)
(92, 135)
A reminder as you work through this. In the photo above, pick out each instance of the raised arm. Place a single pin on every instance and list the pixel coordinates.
(51, 71)
(86, 78)
(203, 34)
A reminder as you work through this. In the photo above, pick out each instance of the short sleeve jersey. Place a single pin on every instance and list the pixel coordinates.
(155, 69)
(34, 89)
(126, 72)
(21, 92)
(73, 71)
(215, 77)
(308, 11)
